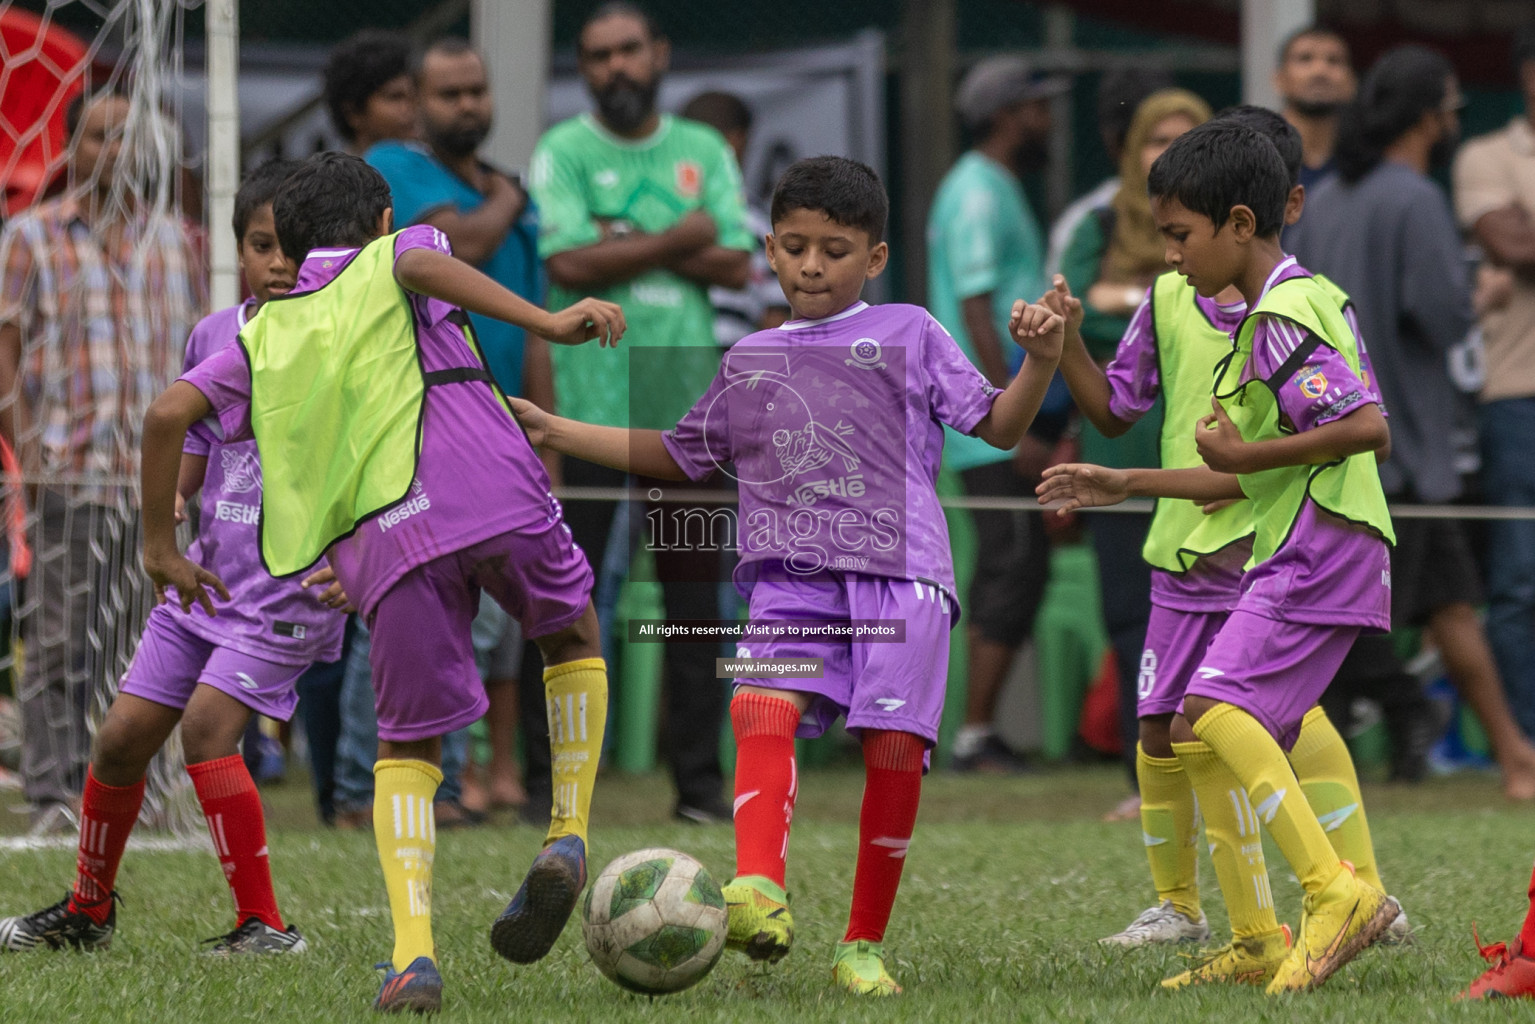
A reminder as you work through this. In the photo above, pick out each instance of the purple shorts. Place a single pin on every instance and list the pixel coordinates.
(171, 661)
(1275, 671)
(892, 686)
(1175, 645)
(425, 682)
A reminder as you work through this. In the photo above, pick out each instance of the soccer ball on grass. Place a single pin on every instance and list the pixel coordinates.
(654, 921)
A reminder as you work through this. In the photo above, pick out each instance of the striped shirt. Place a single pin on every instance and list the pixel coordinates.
(104, 320)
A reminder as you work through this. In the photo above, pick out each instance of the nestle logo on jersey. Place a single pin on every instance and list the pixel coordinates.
(234, 512)
(402, 512)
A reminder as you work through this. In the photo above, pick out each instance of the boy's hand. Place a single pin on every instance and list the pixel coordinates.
(585, 320)
(535, 422)
(332, 596)
(1220, 443)
(174, 569)
(1074, 485)
(1060, 300)
(181, 509)
(1037, 330)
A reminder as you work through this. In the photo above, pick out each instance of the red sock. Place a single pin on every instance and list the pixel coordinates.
(893, 787)
(1527, 933)
(765, 782)
(107, 814)
(233, 809)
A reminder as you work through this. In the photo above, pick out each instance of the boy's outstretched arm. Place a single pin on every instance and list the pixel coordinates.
(1223, 449)
(1086, 379)
(1075, 485)
(165, 431)
(1039, 331)
(445, 277)
(634, 451)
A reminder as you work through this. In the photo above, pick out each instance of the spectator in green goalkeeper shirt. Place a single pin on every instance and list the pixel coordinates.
(646, 210)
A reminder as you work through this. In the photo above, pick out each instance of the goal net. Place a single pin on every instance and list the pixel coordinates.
(102, 274)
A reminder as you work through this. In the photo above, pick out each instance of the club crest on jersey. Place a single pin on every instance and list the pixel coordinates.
(242, 471)
(689, 178)
(866, 355)
(1312, 382)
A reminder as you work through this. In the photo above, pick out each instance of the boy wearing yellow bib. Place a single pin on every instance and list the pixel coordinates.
(1294, 428)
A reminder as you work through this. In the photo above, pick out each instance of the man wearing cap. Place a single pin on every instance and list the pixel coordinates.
(985, 249)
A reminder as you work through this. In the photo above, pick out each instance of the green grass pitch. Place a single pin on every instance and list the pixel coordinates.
(1008, 884)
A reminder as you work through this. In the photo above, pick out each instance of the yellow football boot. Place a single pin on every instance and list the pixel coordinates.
(1335, 925)
(859, 967)
(1246, 961)
(760, 924)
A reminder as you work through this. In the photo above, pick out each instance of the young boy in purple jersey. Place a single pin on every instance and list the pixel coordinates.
(370, 348)
(1295, 429)
(210, 674)
(1168, 355)
(832, 423)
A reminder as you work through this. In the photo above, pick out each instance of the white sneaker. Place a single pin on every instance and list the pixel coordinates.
(1161, 923)
(1398, 932)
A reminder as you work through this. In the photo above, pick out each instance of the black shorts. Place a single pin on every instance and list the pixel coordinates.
(1431, 566)
(1012, 563)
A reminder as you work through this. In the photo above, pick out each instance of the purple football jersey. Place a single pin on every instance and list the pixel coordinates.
(834, 430)
(1329, 572)
(272, 619)
(477, 476)
(1135, 383)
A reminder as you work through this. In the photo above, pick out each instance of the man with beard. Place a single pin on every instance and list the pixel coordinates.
(1382, 229)
(490, 223)
(1315, 79)
(646, 210)
(985, 250)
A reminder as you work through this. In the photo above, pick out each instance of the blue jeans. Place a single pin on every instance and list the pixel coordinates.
(357, 749)
(1508, 476)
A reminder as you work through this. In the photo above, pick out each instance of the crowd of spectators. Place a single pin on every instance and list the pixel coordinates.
(643, 207)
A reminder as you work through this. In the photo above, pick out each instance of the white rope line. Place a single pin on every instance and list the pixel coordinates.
(720, 497)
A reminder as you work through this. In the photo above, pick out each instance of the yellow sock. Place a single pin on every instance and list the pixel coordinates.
(577, 697)
(1169, 830)
(1236, 845)
(1326, 771)
(406, 833)
(1256, 760)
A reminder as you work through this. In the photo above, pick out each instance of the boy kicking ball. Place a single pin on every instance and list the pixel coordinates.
(210, 673)
(385, 445)
(1295, 429)
(833, 425)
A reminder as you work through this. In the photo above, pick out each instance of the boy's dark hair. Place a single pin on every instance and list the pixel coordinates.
(612, 8)
(1406, 83)
(847, 191)
(722, 111)
(358, 67)
(1219, 165)
(1308, 32)
(258, 189)
(75, 112)
(331, 199)
(1275, 128)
